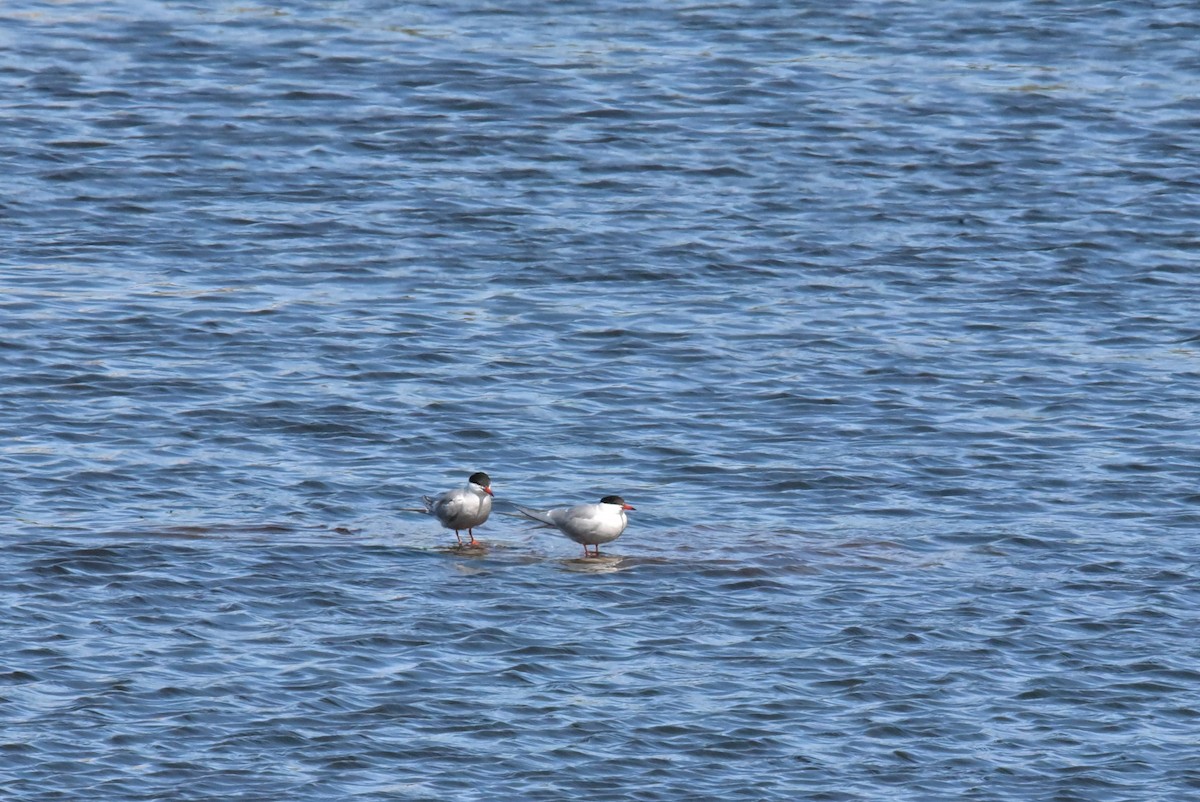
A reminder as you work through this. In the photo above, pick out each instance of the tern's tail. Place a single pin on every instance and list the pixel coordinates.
(535, 515)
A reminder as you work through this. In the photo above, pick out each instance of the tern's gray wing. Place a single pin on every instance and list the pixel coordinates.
(544, 517)
(450, 505)
(582, 521)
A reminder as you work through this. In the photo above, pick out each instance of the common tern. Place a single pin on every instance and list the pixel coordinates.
(464, 507)
(586, 524)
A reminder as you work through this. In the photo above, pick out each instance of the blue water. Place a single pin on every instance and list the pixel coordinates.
(883, 315)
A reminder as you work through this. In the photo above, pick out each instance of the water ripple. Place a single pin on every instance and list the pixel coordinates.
(882, 316)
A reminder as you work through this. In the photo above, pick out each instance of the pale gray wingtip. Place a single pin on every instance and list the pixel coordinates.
(534, 515)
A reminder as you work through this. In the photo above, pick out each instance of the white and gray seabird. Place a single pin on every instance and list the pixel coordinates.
(586, 524)
(464, 507)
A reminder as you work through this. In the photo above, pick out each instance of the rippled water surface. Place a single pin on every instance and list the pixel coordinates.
(883, 315)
